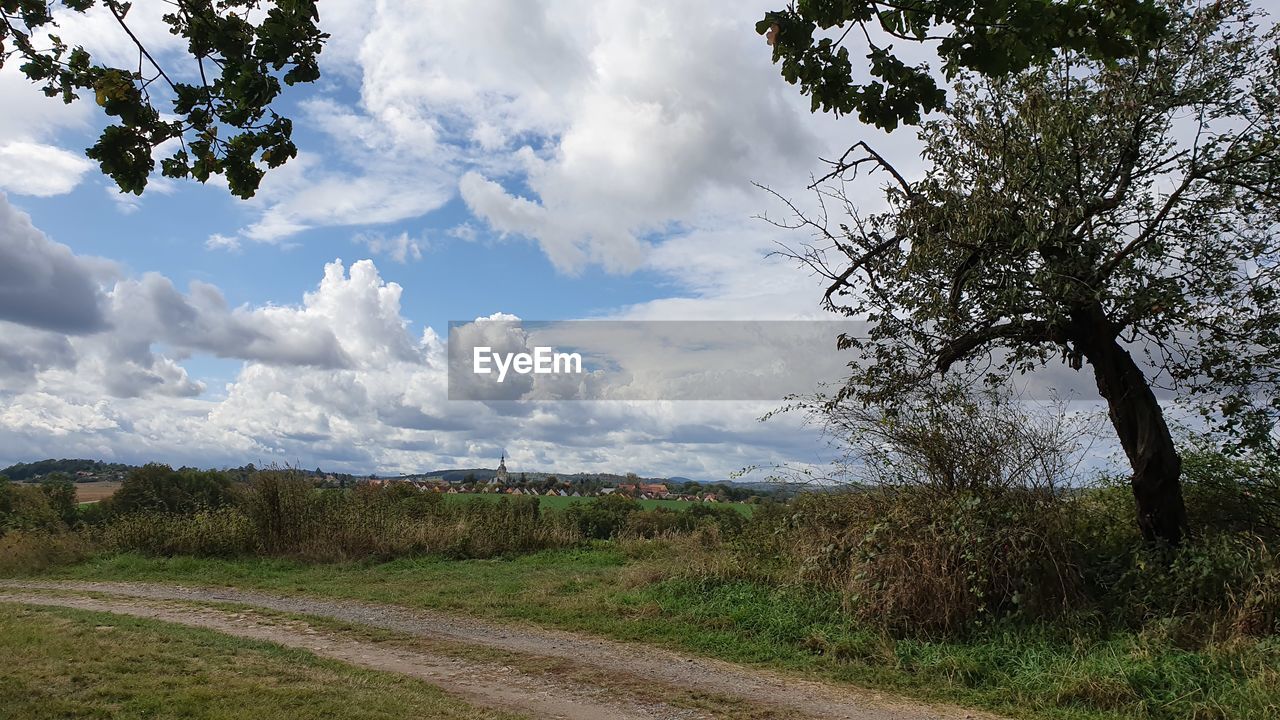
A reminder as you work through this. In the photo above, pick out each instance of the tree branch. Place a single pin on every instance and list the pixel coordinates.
(1022, 330)
(113, 6)
(844, 164)
(868, 256)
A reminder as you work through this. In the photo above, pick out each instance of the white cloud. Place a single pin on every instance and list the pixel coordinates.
(609, 133)
(401, 248)
(588, 127)
(218, 241)
(302, 195)
(32, 161)
(49, 414)
(32, 116)
(28, 168)
(336, 379)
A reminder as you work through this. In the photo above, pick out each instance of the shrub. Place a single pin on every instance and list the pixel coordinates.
(955, 519)
(1216, 585)
(156, 487)
(1221, 581)
(603, 517)
(911, 559)
(656, 523)
(728, 521)
(1230, 494)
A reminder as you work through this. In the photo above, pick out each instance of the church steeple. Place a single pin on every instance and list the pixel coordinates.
(501, 476)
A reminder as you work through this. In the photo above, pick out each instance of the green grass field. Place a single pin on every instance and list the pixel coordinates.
(634, 592)
(63, 663)
(557, 502)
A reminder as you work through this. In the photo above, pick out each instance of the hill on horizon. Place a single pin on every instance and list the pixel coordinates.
(19, 472)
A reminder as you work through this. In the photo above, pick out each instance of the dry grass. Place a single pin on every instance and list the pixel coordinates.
(912, 558)
(27, 551)
(283, 515)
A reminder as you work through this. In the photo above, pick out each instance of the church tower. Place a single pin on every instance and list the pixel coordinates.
(502, 478)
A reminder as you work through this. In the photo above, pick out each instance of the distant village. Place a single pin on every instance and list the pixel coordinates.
(454, 481)
(502, 481)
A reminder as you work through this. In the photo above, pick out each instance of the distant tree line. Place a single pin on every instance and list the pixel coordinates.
(22, 472)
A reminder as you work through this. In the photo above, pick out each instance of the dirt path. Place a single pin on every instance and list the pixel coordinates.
(479, 683)
(754, 693)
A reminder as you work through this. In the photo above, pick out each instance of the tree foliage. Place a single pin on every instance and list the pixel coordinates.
(990, 37)
(217, 107)
(156, 487)
(1086, 211)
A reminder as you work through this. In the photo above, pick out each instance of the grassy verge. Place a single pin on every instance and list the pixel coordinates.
(1040, 673)
(72, 664)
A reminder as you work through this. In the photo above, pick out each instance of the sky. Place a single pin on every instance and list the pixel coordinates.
(539, 160)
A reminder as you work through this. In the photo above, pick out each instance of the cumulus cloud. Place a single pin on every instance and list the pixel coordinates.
(26, 352)
(603, 131)
(587, 127)
(337, 379)
(42, 283)
(127, 335)
(636, 126)
(151, 310)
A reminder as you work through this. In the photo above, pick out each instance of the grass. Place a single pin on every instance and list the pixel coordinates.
(556, 670)
(558, 502)
(73, 664)
(631, 593)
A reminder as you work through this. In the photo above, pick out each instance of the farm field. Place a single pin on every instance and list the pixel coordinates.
(558, 503)
(95, 491)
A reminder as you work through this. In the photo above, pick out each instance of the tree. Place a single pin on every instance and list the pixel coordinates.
(60, 491)
(991, 37)
(159, 488)
(218, 108)
(1085, 211)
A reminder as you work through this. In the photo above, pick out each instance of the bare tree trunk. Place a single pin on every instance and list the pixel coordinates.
(1139, 422)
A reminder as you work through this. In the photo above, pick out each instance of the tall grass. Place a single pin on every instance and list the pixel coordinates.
(28, 551)
(281, 514)
(913, 559)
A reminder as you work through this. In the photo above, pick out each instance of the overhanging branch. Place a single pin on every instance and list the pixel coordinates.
(1022, 331)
